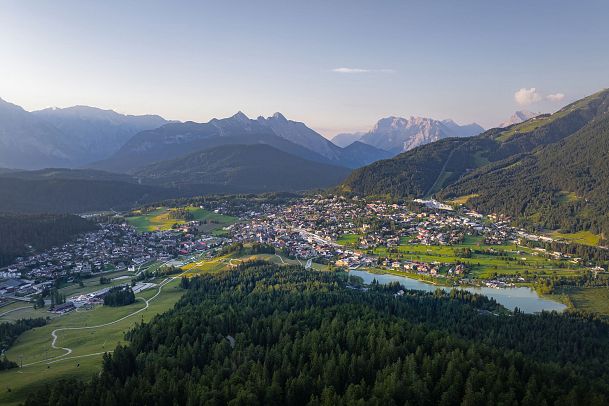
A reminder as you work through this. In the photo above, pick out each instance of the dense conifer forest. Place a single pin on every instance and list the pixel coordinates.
(40, 231)
(273, 335)
(119, 296)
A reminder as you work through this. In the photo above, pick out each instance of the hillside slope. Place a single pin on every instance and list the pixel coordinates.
(562, 185)
(532, 170)
(73, 191)
(243, 168)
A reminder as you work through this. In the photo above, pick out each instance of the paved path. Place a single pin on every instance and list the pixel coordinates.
(14, 310)
(68, 350)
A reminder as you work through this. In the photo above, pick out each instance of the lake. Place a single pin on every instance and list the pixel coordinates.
(526, 299)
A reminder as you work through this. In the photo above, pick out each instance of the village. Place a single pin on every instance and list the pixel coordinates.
(346, 232)
(110, 249)
(424, 240)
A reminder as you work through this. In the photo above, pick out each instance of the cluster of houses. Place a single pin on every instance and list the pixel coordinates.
(112, 247)
(311, 228)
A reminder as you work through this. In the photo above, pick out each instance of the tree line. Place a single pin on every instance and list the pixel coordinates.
(18, 232)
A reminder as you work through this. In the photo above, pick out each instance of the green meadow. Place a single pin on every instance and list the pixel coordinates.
(33, 347)
(581, 237)
(161, 219)
(507, 259)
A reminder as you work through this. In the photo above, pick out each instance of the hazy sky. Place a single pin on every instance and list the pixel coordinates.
(336, 65)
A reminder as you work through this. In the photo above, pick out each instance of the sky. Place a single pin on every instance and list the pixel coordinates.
(338, 66)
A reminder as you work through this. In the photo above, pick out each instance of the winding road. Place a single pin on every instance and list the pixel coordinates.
(68, 350)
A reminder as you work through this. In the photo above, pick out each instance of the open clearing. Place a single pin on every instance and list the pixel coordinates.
(161, 219)
(506, 259)
(228, 261)
(595, 300)
(582, 237)
(348, 239)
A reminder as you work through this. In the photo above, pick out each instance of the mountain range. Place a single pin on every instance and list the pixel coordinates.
(143, 158)
(549, 171)
(68, 137)
(83, 136)
(178, 139)
(398, 134)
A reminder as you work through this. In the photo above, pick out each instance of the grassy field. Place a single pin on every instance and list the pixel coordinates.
(462, 199)
(224, 262)
(594, 300)
(160, 219)
(350, 240)
(34, 346)
(516, 259)
(582, 237)
(17, 311)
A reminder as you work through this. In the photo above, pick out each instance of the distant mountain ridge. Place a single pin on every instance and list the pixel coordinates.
(67, 137)
(345, 139)
(83, 136)
(26, 141)
(177, 139)
(398, 134)
(98, 133)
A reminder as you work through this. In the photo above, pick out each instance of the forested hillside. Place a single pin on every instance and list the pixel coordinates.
(41, 231)
(550, 170)
(563, 185)
(23, 193)
(249, 168)
(271, 335)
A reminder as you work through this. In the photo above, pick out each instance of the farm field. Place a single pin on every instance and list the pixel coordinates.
(161, 219)
(506, 259)
(34, 346)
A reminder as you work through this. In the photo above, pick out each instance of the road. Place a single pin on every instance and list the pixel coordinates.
(68, 350)
(14, 310)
